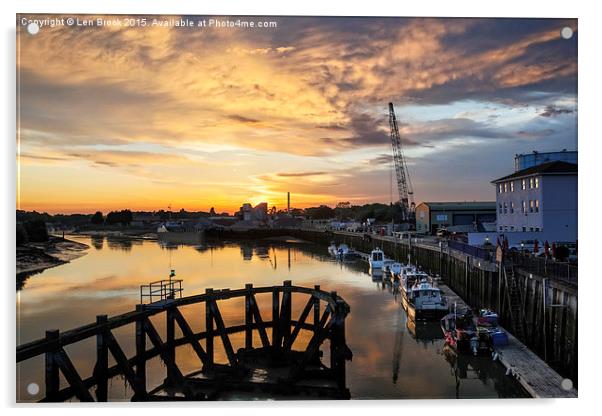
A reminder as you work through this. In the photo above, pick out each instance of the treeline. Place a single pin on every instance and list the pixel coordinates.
(344, 211)
(113, 217)
(123, 217)
(33, 231)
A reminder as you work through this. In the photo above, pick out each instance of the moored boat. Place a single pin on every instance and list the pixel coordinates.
(395, 269)
(466, 334)
(332, 249)
(424, 301)
(377, 259)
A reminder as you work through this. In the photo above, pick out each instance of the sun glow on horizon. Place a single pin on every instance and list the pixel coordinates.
(144, 118)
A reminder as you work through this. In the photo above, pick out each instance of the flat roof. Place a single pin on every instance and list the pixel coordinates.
(556, 167)
(460, 206)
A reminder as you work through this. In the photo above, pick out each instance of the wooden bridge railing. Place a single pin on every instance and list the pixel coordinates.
(329, 324)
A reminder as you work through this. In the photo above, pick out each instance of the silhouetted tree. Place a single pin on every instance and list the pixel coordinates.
(36, 230)
(320, 213)
(97, 218)
(22, 237)
(123, 217)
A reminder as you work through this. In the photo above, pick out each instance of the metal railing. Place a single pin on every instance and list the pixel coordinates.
(546, 267)
(161, 290)
(470, 250)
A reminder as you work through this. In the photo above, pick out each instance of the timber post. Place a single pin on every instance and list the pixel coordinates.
(102, 361)
(209, 327)
(316, 310)
(286, 312)
(170, 327)
(140, 348)
(276, 342)
(248, 317)
(52, 369)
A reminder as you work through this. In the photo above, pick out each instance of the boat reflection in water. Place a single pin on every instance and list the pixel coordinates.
(466, 367)
(424, 332)
(376, 275)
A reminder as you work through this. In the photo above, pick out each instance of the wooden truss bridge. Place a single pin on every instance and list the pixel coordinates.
(290, 373)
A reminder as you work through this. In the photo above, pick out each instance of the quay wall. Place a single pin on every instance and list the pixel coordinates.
(548, 309)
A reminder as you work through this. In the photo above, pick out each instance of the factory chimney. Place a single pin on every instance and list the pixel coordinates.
(288, 203)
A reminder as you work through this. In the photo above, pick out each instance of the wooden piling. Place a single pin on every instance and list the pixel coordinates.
(52, 379)
(140, 348)
(276, 341)
(209, 327)
(286, 312)
(102, 361)
(248, 317)
(316, 310)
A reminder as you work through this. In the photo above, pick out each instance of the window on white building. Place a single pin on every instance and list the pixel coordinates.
(531, 205)
(505, 228)
(505, 208)
(505, 186)
(524, 229)
(537, 182)
(512, 228)
(511, 207)
(501, 229)
(531, 183)
(523, 184)
(524, 208)
(537, 205)
(512, 186)
(499, 188)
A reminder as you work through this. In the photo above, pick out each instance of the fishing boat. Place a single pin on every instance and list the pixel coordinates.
(395, 269)
(377, 259)
(352, 255)
(332, 249)
(424, 301)
(342, 251)
(467, 334)
(409, 277)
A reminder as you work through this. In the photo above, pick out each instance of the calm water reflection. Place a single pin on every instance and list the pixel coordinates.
(392, 358)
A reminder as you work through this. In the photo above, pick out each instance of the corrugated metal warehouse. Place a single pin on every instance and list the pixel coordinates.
(431, 216)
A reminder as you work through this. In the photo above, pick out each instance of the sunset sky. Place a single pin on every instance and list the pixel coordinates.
(142, 118)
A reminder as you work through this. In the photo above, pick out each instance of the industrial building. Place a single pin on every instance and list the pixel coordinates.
(528, 160)
(539, 202)
(430, 216)
(258, 213)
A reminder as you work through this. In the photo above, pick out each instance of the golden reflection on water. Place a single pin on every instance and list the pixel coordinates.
(391, 358)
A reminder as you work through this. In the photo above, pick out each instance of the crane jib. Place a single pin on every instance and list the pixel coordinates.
(404, 185)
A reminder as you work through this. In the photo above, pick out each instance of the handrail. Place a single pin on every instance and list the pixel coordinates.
(284, 330)
(39, 346)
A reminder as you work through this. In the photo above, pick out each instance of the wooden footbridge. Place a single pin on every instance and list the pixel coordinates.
(286, 372)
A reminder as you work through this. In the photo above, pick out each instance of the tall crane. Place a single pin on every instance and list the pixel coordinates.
(404, 184)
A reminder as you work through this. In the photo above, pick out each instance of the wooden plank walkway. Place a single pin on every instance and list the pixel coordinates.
(533, 373)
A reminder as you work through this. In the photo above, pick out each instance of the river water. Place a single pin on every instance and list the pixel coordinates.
(392, 357)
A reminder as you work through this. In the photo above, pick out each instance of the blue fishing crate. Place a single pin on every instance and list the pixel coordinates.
(499, 338)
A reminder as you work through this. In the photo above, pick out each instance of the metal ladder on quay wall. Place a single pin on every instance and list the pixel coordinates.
(514, 297)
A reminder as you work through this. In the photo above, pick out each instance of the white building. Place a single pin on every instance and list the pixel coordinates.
(539, 202)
